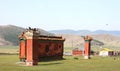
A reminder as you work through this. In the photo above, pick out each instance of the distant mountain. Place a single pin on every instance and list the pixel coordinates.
(107, 32)
(9, 34)
(105, 40)
(85, 32)
(101, 37)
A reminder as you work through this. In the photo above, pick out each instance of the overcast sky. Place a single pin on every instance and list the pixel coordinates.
(61, 14)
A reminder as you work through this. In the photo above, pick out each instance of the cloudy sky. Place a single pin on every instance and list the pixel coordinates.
(61, 14)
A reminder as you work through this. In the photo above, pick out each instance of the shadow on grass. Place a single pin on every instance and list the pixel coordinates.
(47, 64)
(50, 59)
(9, 54)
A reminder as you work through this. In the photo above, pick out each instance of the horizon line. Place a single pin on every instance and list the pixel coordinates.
(61, 29)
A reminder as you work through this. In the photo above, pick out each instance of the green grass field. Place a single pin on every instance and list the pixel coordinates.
(69, 63)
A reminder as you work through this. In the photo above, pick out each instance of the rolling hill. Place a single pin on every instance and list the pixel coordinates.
(85, 32)
(101, 37)
(9, 36)
(105, 40)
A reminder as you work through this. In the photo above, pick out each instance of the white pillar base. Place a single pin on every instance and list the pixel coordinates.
(86, 57)
(29, 63)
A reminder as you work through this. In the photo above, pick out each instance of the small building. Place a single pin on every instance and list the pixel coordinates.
(106, 52)
(77, 52)
(34, 46)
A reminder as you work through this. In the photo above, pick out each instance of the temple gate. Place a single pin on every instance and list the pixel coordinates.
(34, 46)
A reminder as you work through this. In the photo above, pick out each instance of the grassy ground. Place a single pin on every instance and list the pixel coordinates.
(9, 49)
(15, 49)
(9, 63)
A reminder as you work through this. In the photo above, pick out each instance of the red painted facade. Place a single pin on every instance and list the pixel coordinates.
(34, 46)
(87, 47)
(23, 49)
(77, 52)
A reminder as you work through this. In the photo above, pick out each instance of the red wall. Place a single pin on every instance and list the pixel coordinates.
(47, 48)
(77, 52)
(22, 49)
(41, 48)
(87, 48)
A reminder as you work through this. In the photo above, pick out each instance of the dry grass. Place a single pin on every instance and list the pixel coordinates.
(9, 49)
